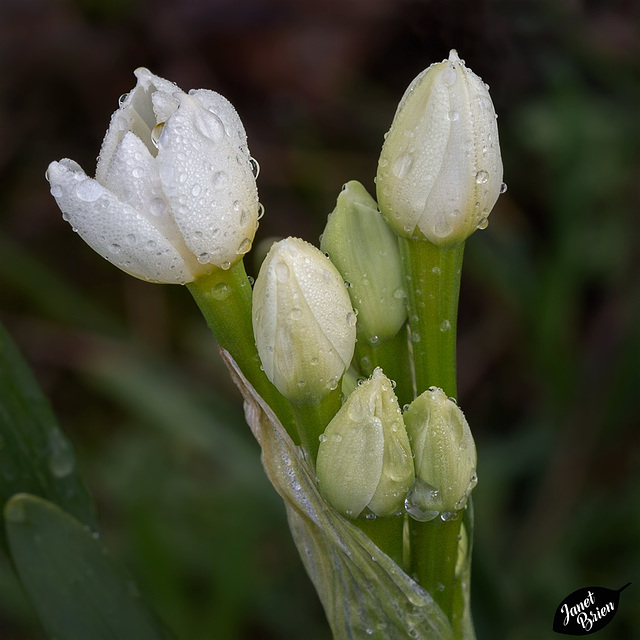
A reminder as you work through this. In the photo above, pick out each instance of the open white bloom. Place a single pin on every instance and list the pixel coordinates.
(174, 193)
(303, 321)
(440, 170)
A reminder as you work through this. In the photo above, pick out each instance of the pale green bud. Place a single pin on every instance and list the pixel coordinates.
(364, 458)
(303, 321)
(366, 252)
(445, 456)
(440, 170)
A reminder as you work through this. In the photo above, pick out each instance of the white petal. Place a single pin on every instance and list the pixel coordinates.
(114, 229)
(207, 178)
(150, 102)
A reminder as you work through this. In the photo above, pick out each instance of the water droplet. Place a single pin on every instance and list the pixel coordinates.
(130, 239)
(195, 190)
(61, 459)
(322, 438)
(351, 319)
(445, 325)
(220, 180)
(402, 165)
(482, 177)
(449, 76)
(452, 116)
(210, 125)
(503, 187)
(203, 258)
(158, 207)
(282, 271)
(151, 244)
(415, 337)
(115, 248)
(260, 210)
(244, 246)
(447, 516)
(156, 134)
(399, 294)
(332, 384)
(255, 167)
(423, 501)
(483, 224)
(435, 270)
(314, 362)
(442, 227)
(225, 265)
(122, 99)
(89, 190)
(374, 339)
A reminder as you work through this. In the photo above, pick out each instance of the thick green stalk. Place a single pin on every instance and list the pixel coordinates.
(386, 534)
(312, 420)
(433, 283)
(224, 298)
(392, 356)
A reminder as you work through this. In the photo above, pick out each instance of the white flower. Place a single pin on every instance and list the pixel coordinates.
(303, 321)
(440, 170)
(174, 193)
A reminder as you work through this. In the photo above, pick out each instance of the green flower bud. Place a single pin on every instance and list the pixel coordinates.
(364, 458)
(366, 253)
(440, 170)
(445, 456)
(303, 321)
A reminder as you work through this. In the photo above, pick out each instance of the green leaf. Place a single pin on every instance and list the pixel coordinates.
(365, 593)
(35, 456)
(78, 591)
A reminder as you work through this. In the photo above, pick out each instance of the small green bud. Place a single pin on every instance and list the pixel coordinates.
(366, 253)
(303, 321)
(445, 456)
(440, 170)
(364, 458)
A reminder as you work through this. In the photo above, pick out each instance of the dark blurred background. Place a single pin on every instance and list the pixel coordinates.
(549, 357)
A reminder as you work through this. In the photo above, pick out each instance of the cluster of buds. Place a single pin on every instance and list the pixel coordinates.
(175, 197)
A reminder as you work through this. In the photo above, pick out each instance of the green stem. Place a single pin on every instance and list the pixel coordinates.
(386, 534)
(392, 356)
(433, 285)
(224, 298)
(312, 419)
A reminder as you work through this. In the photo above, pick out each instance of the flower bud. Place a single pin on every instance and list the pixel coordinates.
(303, 321)
(364, 458)
(440, 170)
(366, 253)
(445, 456)
(174, 193)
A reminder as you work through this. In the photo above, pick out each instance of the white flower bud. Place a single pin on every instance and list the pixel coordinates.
(364, 458)
(174, 193)
(445, 455)
(440, 170)
(303, 321)
(366, 253)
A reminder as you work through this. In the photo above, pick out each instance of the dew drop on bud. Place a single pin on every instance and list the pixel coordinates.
(483, 224)
(122, 99)
(156, 133)
(452, 116)
(445, 325)
(503, 187)
(244, 246)
(255, 167)
(482, 177)
(402, 165)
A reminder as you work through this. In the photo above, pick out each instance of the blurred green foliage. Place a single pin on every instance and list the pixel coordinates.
(549, 358)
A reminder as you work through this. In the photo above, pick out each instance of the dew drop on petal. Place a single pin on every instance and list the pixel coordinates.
(56, 190)
(220, 179)
(244, 246)
(483, 224)
(503, 187)
(88, 190)
(156, 134)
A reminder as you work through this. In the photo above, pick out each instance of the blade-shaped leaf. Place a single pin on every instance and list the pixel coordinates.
(77, 590)
(364, 593)
(35, 456)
